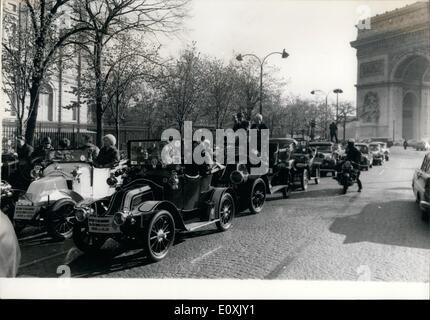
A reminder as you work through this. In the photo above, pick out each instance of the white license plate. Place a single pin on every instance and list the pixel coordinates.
(102, 225)
(24, 212)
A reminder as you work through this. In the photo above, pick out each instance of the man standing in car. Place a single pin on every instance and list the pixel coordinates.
(354, 155)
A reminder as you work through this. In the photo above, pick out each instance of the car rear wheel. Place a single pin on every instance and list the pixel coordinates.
(58, 219)
(226, 212)
(159, 235)
(257, 196)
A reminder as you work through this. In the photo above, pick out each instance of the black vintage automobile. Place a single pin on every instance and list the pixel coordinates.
(305, 165)
(326, 156)
(156, 200)
(250, 189)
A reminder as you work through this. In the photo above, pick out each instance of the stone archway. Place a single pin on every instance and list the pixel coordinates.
(394, 67)
(410, 104)
(410, 75)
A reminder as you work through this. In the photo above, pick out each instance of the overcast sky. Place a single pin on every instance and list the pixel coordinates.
(316, 34)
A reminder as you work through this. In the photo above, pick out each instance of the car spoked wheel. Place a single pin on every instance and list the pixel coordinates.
(59, 219)
(258, 196)
(86, 241)
(226, 212)
(304, 180)
(159, 235)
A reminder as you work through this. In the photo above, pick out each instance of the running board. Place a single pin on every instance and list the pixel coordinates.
(196, 225)
(274, 189)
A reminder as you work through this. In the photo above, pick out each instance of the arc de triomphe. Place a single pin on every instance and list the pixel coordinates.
(393, 76)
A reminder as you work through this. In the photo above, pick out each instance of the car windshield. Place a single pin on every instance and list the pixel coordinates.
(363, 148)
(69, 155)
(374, 147)
(324, 148)
(143, 152)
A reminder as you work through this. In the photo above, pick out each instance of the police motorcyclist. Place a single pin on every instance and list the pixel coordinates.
(354, 155)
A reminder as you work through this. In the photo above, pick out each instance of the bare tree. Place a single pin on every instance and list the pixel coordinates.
(106, 19)
(184, 87)
(347, 113)
(16, 64)
(221, 89)
(47, 34)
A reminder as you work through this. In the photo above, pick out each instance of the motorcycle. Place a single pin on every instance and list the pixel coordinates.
(347, 175)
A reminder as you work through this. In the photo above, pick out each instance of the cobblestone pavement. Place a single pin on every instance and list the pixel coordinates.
(317, 235)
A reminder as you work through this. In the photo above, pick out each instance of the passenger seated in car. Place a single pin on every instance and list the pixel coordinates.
(109, 154)
(64, 150)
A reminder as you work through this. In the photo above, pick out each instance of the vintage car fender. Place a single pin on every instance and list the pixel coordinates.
(147, 208)
(217, 193)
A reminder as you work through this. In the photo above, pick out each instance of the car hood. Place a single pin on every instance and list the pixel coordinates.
(45, 189)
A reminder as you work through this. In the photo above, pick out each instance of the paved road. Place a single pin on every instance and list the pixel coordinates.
(317, 235)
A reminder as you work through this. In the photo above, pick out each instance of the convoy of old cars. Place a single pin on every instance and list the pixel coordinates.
(145, 202)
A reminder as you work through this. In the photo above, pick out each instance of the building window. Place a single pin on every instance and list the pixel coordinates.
(46, 101)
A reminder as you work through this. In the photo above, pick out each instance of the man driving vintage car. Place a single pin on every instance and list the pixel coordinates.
(354, 155)
(109, 154)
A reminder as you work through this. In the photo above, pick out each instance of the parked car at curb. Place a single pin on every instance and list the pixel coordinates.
(421, 186)
(57, 188)
(156, 201)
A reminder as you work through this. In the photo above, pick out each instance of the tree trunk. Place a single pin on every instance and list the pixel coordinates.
(117, 119)
(34, 106)
(98, 92)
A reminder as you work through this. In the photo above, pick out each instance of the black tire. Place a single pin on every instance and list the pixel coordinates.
(257, 196)
(226, 212)
(8, 208)
(159, 235)
(304, 180)
(85, 241)
(58, 219)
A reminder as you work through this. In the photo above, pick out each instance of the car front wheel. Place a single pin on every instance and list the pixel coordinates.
(304, 179)
(58, 219)
(84, 240)
(159, 235)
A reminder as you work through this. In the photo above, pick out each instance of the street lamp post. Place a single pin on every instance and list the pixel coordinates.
(326, 108)
(240, 57)
(337, 91)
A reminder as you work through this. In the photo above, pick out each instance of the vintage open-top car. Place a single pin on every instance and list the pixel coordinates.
(251, 189)
(327, 155)
(156, 200)
(377, 153)
(304, 162)
(366, 156)
(66, 180)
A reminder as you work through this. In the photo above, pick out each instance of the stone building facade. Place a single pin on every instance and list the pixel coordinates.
(393, 74)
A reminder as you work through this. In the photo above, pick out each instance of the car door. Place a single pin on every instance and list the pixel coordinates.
(421, 177)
